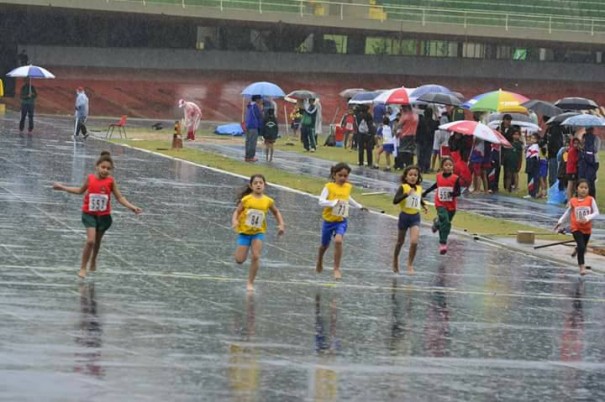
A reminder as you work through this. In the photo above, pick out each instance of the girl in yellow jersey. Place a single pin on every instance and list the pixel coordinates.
(409, 198)
(335, 198)
(249, 221)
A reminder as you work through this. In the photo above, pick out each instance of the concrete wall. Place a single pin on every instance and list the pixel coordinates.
(336, 18)
(179, 59)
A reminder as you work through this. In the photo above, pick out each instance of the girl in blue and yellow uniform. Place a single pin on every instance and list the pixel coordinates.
(409, 198)
(249, 221)
(335, 199)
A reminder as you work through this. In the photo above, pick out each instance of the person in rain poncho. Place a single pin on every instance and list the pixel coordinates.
(81, 112)
(192, 116)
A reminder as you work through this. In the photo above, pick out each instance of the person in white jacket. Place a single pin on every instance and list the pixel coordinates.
(81, 112)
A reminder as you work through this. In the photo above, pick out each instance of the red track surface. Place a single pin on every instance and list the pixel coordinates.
(154, 94)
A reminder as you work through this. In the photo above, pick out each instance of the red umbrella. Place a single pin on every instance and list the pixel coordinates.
(397, 96)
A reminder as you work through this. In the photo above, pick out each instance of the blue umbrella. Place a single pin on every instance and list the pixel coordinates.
(584, 120)
(364, 98)
(30, 71)
(429, 88)
(263, 88)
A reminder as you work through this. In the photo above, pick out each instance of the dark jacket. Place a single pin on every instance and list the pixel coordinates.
(26, 90)
(254, 117)
(554, 140)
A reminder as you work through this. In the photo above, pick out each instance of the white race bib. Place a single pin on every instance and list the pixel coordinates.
(341, 209)
(582, 212)
(98, 202)
(349, 127)
(412, 202)
(255, 218)
(445, 193)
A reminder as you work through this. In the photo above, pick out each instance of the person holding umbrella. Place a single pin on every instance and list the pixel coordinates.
(254, 122)
(28, 101)
(81, 112)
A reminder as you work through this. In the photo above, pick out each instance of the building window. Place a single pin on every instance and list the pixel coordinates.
(339, 42)
(520, 54)
(473, 50)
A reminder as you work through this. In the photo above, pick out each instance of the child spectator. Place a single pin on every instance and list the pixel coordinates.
(532, 166)
(270, 132)
(388, 144)
(571, 168)
(512, 159)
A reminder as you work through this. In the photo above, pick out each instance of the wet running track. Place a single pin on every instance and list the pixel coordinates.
(166, 317)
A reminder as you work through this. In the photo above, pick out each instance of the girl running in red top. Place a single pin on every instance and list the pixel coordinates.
(96, 210)
(448, 189)
(581, 210)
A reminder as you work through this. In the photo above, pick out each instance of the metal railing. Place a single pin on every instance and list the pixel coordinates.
(424, 16)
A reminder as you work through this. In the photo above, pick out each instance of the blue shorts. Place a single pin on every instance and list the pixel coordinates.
(331, 229)
(406, 221)
(246, 239)
(543, 168)
(388, 148)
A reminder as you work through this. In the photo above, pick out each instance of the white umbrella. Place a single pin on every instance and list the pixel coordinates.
(30, 71)
(476, 129)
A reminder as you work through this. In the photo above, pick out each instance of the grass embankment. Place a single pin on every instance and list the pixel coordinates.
(472, 223)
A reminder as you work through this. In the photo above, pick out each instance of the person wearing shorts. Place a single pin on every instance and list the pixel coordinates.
(441, 140)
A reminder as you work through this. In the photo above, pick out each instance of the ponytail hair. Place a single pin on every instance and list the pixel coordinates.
(337, 168)
(248, 189)
(104, 157)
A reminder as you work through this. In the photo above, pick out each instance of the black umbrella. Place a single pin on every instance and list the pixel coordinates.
(302, 94)
(576, 103)
(558, 119)
(440, 98)
(542, 107)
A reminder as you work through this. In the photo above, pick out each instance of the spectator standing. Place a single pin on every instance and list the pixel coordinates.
(532, 166)
(407, 138)
(192, 116)
(440, 140)
(254, 123)
(23, 58)
(554, 142)
(571, 167)
(348, 123)
(28, 102)
(307, 126)
(511, 161)
(365, 138)
(424, 139)
(81, 112)
(587, 168)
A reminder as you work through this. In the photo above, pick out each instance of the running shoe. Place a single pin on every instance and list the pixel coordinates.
(435, 226)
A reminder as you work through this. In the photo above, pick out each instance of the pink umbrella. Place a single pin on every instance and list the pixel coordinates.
(474, 128)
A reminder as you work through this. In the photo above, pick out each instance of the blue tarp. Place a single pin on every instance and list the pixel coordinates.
(234, 129)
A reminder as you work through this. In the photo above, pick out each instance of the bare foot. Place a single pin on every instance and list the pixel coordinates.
(411, 269)
(396, 266)
(582, 272)
(250, 287)
(337, 274)
(82, 273)
(319, 267)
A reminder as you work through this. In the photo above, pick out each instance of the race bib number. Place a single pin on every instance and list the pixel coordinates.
(255, 218)
(349, 126)
(341, 209)
(445, 193)
(581, 212)
(98, 202)
(412, 202)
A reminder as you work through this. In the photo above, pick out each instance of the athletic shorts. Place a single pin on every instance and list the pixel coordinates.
(101, 223)
(406, 221)
(441, 138)
(331, 229)
(543, 168)
(246, 239)
(388, 148)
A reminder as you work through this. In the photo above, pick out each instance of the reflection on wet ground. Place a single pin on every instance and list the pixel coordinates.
(167, 317)
(523, 211)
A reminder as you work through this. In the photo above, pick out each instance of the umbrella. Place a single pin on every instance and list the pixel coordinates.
(30, 71)
(263, 89)
(529, 126)
(518, 119)
(584, 120)
(429, 88)
(301, 94)
(351, 92)
(440, 98)
(542, 107)
(576, 103)
(495, 101)
(474, 128)
(560, 118)
(396, 96)
(364, 98)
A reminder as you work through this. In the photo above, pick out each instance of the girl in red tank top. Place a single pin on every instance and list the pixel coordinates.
(580, 212)
(448, 189)
(96, 208)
